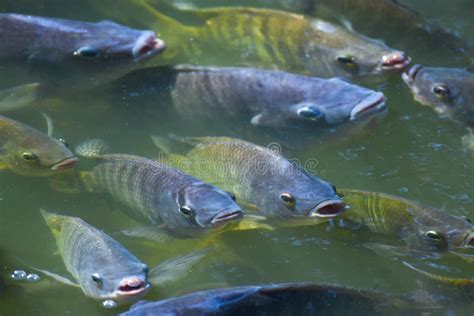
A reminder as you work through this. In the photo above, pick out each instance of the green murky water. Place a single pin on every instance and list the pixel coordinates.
(412, 153)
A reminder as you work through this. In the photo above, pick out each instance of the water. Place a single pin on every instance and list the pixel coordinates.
(413, 154)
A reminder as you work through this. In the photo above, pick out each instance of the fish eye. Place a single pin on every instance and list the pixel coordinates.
(232, 196)
(97, 279)
(186, 210)
(29, 156)
(347, 60)
(87, 52)
(441, 91)
(288, 199)
(433, 235)
(310, 112)
(65, 143)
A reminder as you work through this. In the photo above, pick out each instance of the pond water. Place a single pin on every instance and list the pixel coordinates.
(412, 153)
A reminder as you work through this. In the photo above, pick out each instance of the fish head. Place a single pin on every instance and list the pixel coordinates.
(109, 42)
(303, 195)
(449, 91)
(122, 284)
(204, 206)
(352, 54)
(32, 153)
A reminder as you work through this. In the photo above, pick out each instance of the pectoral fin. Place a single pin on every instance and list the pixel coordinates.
(387, 250)
(152, 233)
(18, 97)
(57, 277)
(175, 268)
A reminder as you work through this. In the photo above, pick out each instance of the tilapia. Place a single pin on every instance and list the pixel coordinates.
(421, 227)
(102, 267)
(27, 151)
(69, 53)
(263, 38)
(281, 299)
(271, 100)
(258, 176)
(184, 205)
(449, 91)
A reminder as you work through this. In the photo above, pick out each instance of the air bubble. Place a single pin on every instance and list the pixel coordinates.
(33, 277)
(19, 275)
(109, 304)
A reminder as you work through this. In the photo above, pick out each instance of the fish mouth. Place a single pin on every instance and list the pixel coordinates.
(146, 46)
(410, 75)
(227, 216)
(395, 61)
(65, 164)
(374, 103)
(132, 286)
(469, 241)
(328, 209)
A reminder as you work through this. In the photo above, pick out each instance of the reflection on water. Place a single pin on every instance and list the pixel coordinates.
(412, 153)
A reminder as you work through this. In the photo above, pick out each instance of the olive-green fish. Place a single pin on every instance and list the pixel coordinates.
(258, 176)
(420, 226)
(261, 38)
(27, 151)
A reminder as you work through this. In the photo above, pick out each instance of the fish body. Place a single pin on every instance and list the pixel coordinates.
(267, 39)
(260, 177)
(183, 204)
(279, 299)
(27, 151)
(102, 267)
(89, 53)
(418, 225)
(279, 101)
(449, 91)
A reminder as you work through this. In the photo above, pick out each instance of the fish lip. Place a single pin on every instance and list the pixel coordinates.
(227, 216)
(66, 163)
(147, 46)
(469, 240)
(372, 104)
(395, 64)
(336, 207)
(410, 75)
(142, 287)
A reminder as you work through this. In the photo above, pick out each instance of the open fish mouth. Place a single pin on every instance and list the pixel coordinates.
(410, 75)
(65, 164)
(469, 241)
(225, 217)
(374, 103)
(328, 209)
(132, 286)
(395, 61)
(146, 46)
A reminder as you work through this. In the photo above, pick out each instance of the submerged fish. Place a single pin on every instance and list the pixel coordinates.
(27, 151)
(183, 204)
(423, 228)
(102, 267)
(266, 39)
(449, 91)
(279, 101)
(72, 53)
(280, 299)
(259, 177)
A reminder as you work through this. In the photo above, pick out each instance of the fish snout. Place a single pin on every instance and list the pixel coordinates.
(328, 209)
(395, 61)
(132, 286)
(371, 104)
(65, 164)
(227, 216)
(146, 46)
(410, 75)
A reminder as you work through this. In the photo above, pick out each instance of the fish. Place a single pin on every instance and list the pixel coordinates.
(449, 91)
(264, 38)
(90, 53)
(165, 197)
(260, 178)
(421, 227)
(468, 141)
(281, 299)
(282, 102)
(102, 268)
(29, 152)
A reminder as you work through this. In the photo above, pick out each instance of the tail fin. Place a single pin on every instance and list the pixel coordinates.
(18, 97)
(54, 221)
